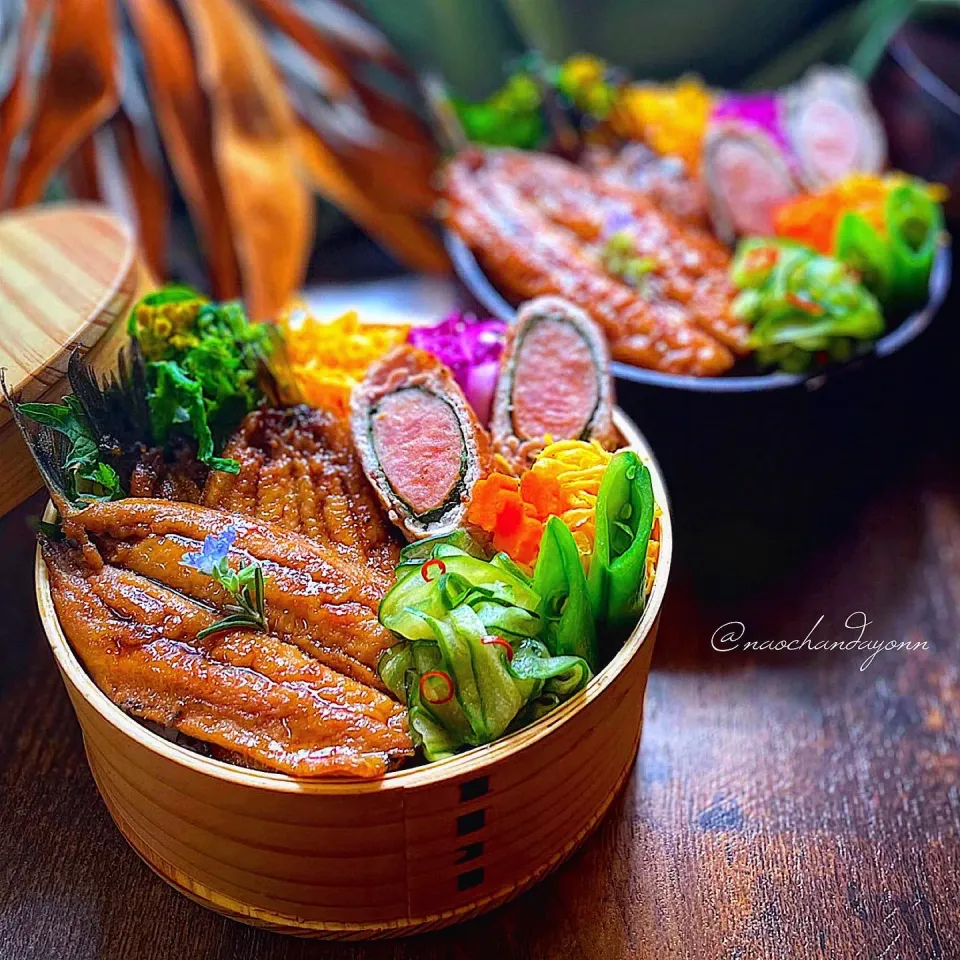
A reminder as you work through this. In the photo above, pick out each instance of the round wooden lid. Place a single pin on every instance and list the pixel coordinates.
(68, 274)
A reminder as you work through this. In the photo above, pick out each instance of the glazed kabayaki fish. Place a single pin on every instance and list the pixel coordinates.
(299, 471)
(315, 598)
(689, 267)
(259, 698)
(529, 256)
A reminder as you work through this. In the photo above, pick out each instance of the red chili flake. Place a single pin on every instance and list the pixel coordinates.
(500, 642)
(801, 303)
(435, 563)
(424, 689)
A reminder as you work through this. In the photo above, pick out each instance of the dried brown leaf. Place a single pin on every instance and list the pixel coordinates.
(270, 205)
(148, 190)
(406, 237)
(77, 94)
(183, 116)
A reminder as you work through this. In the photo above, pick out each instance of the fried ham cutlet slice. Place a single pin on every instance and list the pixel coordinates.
(299, 470)
(253, 695)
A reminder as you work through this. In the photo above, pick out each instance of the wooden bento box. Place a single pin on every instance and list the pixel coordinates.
(420, 849)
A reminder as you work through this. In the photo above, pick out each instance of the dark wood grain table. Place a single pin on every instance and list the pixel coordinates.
(784, 804)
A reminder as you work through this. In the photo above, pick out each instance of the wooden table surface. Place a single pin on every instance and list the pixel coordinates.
(784, 804)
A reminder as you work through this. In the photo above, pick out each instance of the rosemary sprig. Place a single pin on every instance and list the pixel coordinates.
(244, 585)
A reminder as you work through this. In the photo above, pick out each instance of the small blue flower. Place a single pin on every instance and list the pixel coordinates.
(619, 219)
(215, 548)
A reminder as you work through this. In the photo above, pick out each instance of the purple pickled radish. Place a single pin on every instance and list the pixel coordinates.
(471, 348)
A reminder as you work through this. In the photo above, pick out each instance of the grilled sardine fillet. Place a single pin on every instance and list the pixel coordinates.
(529, 256)
(690, 267)
(251, 694)
(315, 598)
(299, 470)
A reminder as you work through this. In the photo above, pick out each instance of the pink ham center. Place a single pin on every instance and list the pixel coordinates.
(829, 139)
(555, 387)
(419, 445)
(752, 187)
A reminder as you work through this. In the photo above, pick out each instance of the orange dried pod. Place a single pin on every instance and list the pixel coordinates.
(82, 172)
(409, 239)
(77, 94)
(17, 105)
(184, 120)
(270, 206)
(148, 190)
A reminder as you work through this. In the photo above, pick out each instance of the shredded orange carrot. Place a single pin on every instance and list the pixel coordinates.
(813, 218)
(563, 481)
(328, 358)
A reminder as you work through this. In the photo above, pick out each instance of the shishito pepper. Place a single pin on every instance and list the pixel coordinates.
(914, 224)
(801, 306)
(860, 246)
(470, 664)
(625, 514)
(565, 610)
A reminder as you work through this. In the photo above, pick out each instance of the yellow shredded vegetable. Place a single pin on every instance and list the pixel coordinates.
(328, 358)
(578, 466)
(670, 118)
(653, 549)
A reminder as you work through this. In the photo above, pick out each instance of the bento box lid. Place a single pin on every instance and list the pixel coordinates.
(69, 274)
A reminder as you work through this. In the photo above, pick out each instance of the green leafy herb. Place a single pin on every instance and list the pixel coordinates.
(89, 478)
(202, 367)
(620, 259)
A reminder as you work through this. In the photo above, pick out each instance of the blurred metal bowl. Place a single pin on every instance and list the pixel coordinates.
(487, 295)
(916, 90)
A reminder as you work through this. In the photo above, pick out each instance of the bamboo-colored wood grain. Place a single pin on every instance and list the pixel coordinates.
(68, 274)
(419, 849)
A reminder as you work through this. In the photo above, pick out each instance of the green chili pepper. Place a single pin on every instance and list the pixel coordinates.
(870, 255)
(624, 522)
(565, 609)
(914, 224)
